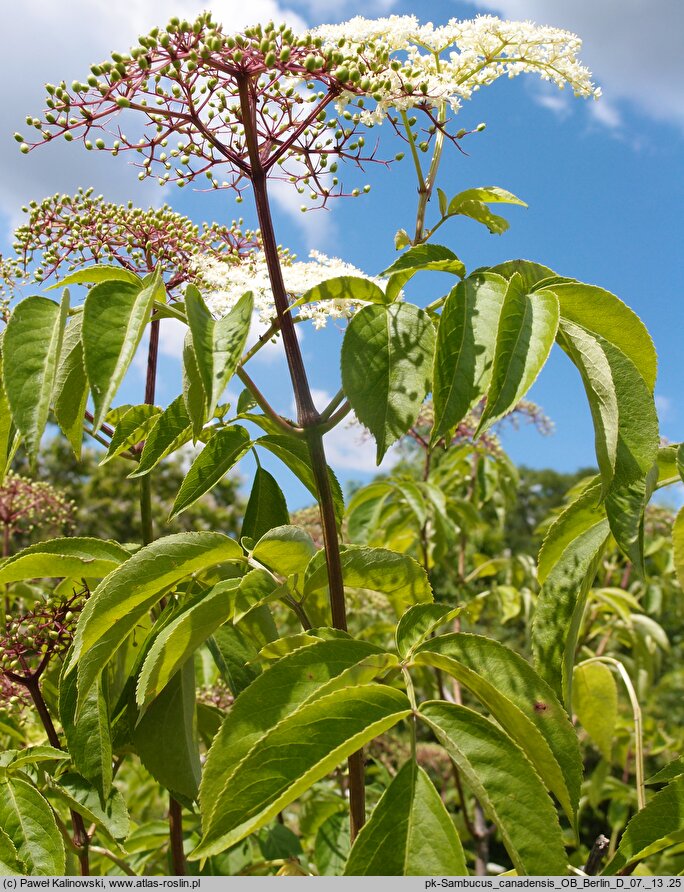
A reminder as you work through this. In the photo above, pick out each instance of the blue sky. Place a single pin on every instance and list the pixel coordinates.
(603, 182)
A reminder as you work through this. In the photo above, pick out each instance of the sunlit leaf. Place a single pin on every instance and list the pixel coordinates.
(32, 344)
(466, 341)
(28, 821)
(506, 785)
(224, 450)
(115, 315)
(303, 748)
(125, 596)
(595, 702)
(410, 833)
(387, 357)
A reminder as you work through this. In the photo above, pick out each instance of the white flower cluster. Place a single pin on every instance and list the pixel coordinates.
(224, 283)
(447, 64)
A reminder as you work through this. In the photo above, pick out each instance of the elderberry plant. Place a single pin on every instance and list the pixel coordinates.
(310, 684)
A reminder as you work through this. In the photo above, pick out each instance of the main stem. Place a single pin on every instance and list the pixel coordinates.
(175, 810)
(307, 416)
(81, 839)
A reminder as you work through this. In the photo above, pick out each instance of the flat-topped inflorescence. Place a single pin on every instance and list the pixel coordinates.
(65, 232)
(269, 102)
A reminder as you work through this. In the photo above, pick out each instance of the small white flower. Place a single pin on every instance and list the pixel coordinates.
(225, 282)
(447, 64)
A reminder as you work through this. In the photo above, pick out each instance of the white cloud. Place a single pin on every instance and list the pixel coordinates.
(633, 48)
(558, 103)
(606, 113)
(664, 406)
(171, 338)
(316, 226)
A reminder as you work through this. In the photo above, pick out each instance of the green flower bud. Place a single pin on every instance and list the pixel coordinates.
(341, 74)
(123, 102)
(24, 148)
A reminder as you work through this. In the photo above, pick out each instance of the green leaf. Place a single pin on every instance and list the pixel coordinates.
(398, 576)
(84, 798)
(506, 785)
(413, 497)
(27, 819)
(194, 394)
(345, 288)
(606, 316)
(131, 429)
(487, 194)
(626, 428)
(234, 653)
(680, 460)
(9, 436)
(678, 545)
(595, 702)
(266, 507)
(294, 454)
(466, 341)
(217, 343)
(478, 211)
(526, 332)
(331, 847)
(520, 701)
(176, 643)
(285, 550)
(364, 510)
(302, 749)
(659, 825)
(124, 597)
(587, 353)
(32, 755)
(410, 833)
(76, 556)
(93, 275)
(299, 678)
(576, 518)
(88, 739)
(427, 257)
(32, 344)
(171, 720)
(115, 314)
(419, 622)
(10, 863)
(560, 608)
(672, 770)
(255, 588)
(71, 387)
(530, 272)
(224, 450)
(387, 357)
(170, 430)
